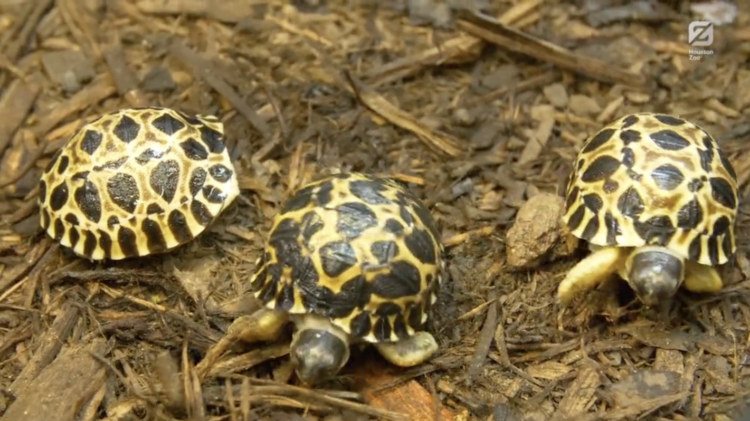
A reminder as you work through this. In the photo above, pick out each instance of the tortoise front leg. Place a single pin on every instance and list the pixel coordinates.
(590, 272)
(263, 325)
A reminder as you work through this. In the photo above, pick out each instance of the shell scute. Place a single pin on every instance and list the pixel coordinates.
(358, 249)
(651, 178)
(124, 187)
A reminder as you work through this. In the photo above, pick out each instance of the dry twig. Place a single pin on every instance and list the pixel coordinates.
(519, 42)
(440, 142)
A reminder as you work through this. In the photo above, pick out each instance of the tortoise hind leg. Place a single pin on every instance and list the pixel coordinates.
(591, 271)
(701, 278)
(409, 352)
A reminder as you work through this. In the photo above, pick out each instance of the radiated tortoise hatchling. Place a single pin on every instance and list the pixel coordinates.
(656, 200)
(136, 182)
(350, 259)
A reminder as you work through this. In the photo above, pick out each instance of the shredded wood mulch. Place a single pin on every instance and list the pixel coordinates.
(480, 111)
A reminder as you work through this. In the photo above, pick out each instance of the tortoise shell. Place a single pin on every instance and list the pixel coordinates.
(136, 182)
(360, 250)
(654, 179)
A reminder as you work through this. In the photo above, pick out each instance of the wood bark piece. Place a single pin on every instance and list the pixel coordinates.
(64, 388)
(408, 398)
(124, 78)
(203, 69)
(50, 344)
(15, 106)
(435, 140)
(458, 50)
(228, 11)
(578, 394)
(520, 42)
(15, 273)
(99, 89)
(16, 39)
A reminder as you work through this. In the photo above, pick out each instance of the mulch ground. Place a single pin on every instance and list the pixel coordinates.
(478, 114)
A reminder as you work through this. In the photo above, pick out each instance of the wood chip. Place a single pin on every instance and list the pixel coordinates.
(440, 142)
(230, 11)
(519, 42)
(640, 407)
(535, 235)
(669, 360)
(643, 385)
(123, 76)
(545, 115)
(49, 346)
(61, 390)
(408, 398)
(203, 68)
(556, 95)
(15, 106)
(578, 394)
(461, 49)
(548, 370)
(583, 105)
(100, 88)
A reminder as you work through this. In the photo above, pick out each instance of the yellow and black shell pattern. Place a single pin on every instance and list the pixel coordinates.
(360, 250)
(135, 182)
(654, 179)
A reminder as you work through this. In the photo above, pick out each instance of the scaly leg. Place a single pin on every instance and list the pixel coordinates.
(409, 352)
(263, 325)
(701, 278)
(591, 271)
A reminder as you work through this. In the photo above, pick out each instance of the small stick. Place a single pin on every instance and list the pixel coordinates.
(203, 69)
(488, 330)
(520, 42)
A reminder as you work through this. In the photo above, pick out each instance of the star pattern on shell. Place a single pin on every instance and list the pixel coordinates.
(654, 179)
(359, 250)
(136, 182)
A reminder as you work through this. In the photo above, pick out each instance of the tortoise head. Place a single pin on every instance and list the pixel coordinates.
(655, 273)
(319, 349)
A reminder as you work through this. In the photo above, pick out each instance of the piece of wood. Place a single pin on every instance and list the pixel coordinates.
(99, 89)
(83, 27)
(647, 405)
(15, 106)
(531, 83)
(64, 388)
(228, 11)
(13, 42)
(16, 273)
(486, 335)
(578, 394)
(437, 141)
(459, 50)
(124, 77)
(50, 344)
(203, 69)
(519, 42)
(408, 397)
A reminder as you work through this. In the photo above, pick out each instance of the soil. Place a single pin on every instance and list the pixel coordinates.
(478, 113)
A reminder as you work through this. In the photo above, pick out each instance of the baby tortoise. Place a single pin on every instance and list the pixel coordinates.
(656, 200)
(350, 259)
(136, 182)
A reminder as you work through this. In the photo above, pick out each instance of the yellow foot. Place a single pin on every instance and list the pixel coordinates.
(701, 278)
(590, 272)
(263, 325)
